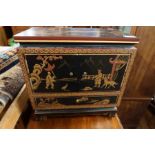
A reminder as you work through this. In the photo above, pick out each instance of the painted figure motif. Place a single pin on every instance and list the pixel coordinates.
(50, 80)
(46, 66)
(98, 79)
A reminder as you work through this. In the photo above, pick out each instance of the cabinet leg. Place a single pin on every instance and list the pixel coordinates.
(111, 114)
(39, 117)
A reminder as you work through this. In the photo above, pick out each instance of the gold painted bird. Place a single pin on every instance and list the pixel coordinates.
(64, 87)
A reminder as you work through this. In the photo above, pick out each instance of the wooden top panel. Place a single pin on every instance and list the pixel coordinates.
(87, 35)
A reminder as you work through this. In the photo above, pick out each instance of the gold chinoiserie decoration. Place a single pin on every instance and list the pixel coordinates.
(46, 66)
(35, 79)
(50, 80)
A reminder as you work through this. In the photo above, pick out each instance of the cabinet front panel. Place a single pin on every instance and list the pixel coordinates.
(75, 102)
(76, 72)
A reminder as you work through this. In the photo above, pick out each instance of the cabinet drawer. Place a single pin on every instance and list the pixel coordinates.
(75, 102)
(76, 72)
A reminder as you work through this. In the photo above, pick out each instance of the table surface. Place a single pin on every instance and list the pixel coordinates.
(42, 34)
(77, 122)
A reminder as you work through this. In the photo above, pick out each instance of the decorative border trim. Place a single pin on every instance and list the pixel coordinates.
(82, 50)
(72, 94)
(126, 75)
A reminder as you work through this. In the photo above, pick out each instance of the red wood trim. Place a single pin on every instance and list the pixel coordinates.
(30, 38)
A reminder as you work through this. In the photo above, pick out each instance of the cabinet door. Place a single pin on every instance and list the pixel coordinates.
(76, 72)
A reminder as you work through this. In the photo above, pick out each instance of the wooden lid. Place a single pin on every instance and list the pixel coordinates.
(76, 35)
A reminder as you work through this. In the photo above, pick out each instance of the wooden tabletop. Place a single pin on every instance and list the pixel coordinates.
(77, 122)
(88, 35)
